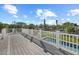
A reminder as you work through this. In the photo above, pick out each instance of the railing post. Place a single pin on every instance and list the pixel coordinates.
(3, 33)
(44, 47)
(28, 31)
(13, 30)
(57, 39)
(22, 29)
(32, 31)
(40, 33)
(31, 40)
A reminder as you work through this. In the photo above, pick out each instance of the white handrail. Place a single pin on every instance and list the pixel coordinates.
(70, 41)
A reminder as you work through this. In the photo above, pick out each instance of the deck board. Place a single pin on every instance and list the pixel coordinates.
(3, 45)
(16, 44)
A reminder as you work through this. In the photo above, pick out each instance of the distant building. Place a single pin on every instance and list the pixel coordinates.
(56, 22)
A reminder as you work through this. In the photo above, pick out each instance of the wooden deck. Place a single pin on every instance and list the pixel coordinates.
(16, 44)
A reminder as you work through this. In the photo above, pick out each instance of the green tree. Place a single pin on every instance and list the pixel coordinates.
(21, 25)
(31, 26)
(69, 27)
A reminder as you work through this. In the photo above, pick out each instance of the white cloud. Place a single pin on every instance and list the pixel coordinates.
(49, 14)
(62, 19)
(25, 16)
(39, 12)
(51, 22)
(68, 19)
(15, 16)
(74, 12)
(10, 8)
(68, 14)
(44, 13)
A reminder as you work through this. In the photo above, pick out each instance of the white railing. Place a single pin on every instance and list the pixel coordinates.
(68, 42)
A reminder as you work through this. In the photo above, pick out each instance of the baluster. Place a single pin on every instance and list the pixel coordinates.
(66, 40)
(53, 36)
(77, 45)
(62, 39)
(69, 41)
(72, 43)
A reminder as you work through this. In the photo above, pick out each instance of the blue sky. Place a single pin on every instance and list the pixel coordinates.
(35, 13)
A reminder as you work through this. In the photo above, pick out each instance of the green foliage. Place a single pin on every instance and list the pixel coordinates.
(31, 26)
(1, 25)
(68, 27)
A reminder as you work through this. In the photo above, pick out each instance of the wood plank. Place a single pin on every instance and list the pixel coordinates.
(16, 44)
(3, 45)
(24, 47)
